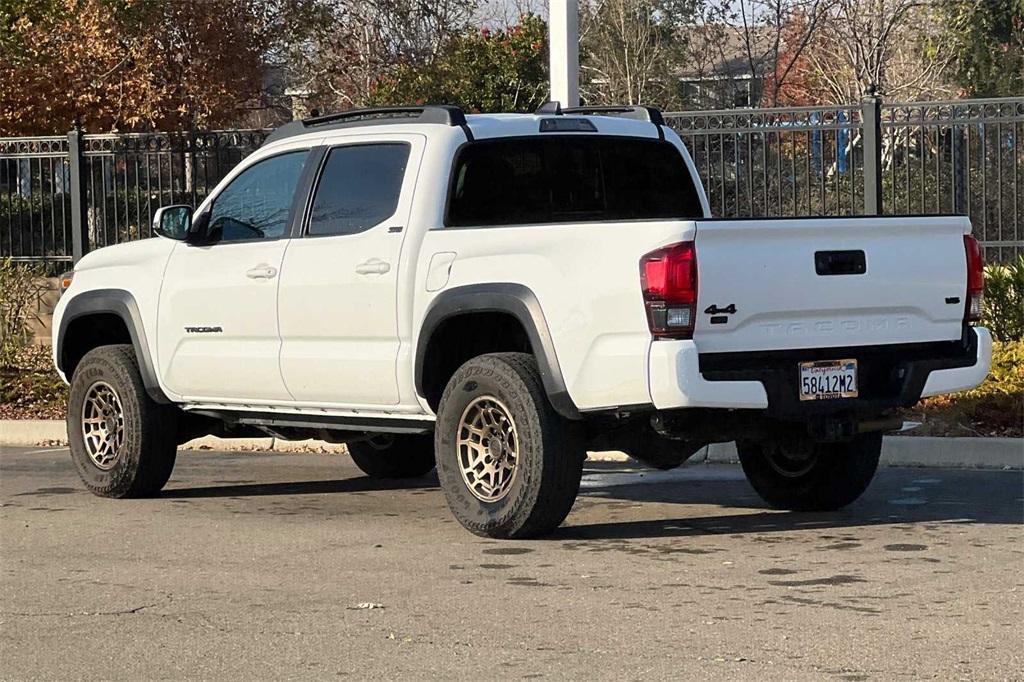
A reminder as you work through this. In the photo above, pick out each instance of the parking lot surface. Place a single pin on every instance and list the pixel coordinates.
(296, 566)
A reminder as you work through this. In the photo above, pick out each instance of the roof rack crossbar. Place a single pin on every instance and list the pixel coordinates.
(441, 114)
(642, 113)
(430, 113)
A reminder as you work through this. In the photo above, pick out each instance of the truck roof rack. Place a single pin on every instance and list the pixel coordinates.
(641, 113)
(440, 114)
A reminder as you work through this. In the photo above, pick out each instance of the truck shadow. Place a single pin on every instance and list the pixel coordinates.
(612, 493)
(346, 485)
(897, 496)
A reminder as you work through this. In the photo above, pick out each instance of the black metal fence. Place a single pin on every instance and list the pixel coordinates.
(871, 158)
(62, 196)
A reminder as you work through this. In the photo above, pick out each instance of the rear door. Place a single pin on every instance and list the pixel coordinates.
(829, 282)
(337, 304)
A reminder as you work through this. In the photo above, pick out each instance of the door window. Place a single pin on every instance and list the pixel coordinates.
(257, 204)
(359, 188)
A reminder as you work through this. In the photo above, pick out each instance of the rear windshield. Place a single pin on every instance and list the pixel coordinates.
(530, 180)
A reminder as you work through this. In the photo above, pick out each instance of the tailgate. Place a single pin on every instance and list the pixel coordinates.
(828, 282)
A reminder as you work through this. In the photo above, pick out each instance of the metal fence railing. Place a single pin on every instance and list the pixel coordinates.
(959, 156)
(777, 162)
(61, 196)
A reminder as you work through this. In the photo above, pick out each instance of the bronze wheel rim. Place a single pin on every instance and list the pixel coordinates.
(488, 449)
(102, 425)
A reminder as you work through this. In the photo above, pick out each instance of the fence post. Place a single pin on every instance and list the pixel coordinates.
(190, 164)
(871, 120)
(959, 162)
(79, 206)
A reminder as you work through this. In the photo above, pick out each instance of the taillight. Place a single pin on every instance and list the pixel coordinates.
(975, 279)
(668, 277)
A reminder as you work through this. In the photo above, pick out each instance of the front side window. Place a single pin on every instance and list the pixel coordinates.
(539, 179)
(258, 202)
(358, 188)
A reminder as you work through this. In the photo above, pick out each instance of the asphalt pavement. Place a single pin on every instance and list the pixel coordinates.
(295, 566)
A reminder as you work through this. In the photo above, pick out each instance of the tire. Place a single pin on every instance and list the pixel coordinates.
(538, 453)
(812, 476)
(132, 443)
(400, 456)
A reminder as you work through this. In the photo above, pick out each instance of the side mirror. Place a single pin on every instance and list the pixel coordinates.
(173, 222)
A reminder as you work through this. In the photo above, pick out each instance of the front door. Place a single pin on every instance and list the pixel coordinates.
(217, 330)
(338, 309)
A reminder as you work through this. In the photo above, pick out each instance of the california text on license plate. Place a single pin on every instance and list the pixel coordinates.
(828, 379)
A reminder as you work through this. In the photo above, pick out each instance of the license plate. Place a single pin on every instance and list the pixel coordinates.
(828, 379)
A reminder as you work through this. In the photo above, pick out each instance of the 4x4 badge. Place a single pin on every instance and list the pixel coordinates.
(715, 310)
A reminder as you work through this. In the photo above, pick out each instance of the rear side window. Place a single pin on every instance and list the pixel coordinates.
(358, 188)
(569, 179)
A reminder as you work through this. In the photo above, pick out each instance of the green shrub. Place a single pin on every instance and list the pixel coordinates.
(20, 288)
(1003, 311)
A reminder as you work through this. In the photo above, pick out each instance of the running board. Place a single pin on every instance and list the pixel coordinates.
(364, 424)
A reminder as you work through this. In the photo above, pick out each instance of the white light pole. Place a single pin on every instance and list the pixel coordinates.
(563, 41)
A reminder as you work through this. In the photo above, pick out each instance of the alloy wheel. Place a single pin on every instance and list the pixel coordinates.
(102, 425)
(488, 449)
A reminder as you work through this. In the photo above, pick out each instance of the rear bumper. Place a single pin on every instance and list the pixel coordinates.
(956, 379)
(890, 375)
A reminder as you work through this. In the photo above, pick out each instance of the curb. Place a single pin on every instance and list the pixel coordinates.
(902, 451)
(921, 451)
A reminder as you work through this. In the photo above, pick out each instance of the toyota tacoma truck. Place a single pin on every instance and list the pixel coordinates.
(493, 295)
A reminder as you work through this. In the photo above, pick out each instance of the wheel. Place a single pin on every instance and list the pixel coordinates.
(509, 465)
(811, 476)
(398, 456)
(123, 443)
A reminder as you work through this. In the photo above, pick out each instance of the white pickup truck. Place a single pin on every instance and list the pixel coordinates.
(497, 294)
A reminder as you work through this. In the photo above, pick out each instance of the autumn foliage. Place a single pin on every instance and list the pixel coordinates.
(126, 65)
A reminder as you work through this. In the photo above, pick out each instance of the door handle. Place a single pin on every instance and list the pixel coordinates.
(374, 266)
(262, 271)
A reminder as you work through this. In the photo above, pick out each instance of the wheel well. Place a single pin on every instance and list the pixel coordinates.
(465, 336)
(88, 332)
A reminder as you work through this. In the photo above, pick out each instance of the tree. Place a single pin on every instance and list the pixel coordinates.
(988, 41)
(892, 46)
(748, 41)
(127, 64)
(202, 60)
(481, 70)
(792, 82)
(350, 45)
(631, 50)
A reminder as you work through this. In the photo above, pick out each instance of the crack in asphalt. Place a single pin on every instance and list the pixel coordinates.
(72, 614)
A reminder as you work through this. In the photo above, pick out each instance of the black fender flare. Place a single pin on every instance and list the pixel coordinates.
(121, 303)
(516, 300)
